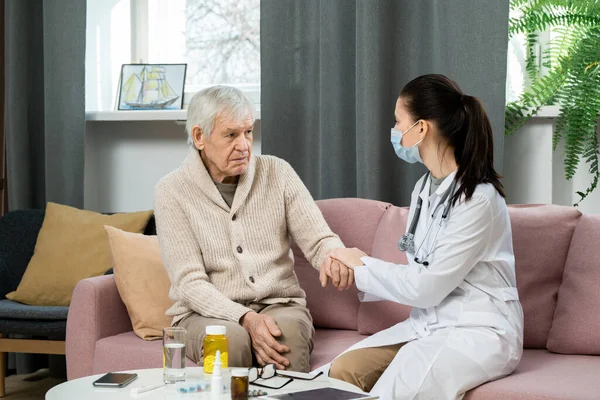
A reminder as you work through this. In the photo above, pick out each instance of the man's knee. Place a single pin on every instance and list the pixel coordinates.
(240, 347)
(298, 336)
(296, 331)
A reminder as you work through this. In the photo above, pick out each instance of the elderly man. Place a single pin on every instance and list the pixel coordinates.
(224, 221)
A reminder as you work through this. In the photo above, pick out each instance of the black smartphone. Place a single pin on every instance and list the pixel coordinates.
(115, 380)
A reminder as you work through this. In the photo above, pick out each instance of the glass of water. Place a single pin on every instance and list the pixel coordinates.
(174, 341)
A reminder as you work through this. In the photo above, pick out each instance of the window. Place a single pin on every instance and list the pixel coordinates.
(517, 78)
(219, 40)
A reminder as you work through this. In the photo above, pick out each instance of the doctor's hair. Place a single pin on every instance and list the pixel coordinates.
(463, 122)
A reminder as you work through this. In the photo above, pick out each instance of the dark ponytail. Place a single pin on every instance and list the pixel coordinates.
(463, 122)
(475, 158)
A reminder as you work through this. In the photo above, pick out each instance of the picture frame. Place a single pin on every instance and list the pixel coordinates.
(151, 87)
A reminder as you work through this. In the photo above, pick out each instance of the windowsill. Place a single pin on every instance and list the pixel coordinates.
(139, 115)
(548, 112)
(181, 115)
(143, 115)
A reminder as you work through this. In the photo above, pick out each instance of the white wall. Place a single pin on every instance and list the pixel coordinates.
(527, 158)
(125, 160)
(533, 173)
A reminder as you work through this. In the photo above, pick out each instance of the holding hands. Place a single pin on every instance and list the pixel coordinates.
(348, 257)
(339, 267)
(341, 276)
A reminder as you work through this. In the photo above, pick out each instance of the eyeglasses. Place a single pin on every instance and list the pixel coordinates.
(269, 371)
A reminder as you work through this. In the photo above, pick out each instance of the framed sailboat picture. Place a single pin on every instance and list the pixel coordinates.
(151, 86)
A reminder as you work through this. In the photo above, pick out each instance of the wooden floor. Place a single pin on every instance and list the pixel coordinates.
(30, 387)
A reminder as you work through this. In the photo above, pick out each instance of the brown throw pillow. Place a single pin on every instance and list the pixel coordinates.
(142, 281)
(72, 245)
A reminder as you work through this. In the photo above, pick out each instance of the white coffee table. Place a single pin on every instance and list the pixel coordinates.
(82, 388)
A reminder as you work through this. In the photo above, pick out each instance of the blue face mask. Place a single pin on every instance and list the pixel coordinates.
(410, 155)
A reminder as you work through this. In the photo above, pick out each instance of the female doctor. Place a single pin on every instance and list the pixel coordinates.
(466, 325)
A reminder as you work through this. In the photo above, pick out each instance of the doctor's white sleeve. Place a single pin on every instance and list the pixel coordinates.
(459, 248)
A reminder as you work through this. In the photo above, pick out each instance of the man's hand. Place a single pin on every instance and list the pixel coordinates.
(263, 330)
(341, 276)
(349, 257)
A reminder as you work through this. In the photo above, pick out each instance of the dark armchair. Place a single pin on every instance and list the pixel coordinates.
(18, 235)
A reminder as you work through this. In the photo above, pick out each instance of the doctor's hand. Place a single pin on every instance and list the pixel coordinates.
(348, 257)
(341, 276)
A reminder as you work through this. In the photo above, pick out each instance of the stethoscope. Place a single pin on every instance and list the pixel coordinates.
(407, 242)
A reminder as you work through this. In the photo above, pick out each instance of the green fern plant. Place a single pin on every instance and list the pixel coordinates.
(572, 81)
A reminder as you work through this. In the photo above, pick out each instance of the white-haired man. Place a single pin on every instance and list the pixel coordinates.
(224, 220)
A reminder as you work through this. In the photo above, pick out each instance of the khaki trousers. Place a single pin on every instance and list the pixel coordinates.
(364, 367)
(294, 321)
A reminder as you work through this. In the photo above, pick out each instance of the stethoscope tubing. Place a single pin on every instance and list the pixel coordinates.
(446, 201)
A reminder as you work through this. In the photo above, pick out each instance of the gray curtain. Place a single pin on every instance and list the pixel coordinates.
(45, 101)
(332, 70)
(45, 115)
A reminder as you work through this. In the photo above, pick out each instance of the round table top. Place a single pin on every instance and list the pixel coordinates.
(82, 388)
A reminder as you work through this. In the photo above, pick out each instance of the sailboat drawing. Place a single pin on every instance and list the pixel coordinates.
(148, 89)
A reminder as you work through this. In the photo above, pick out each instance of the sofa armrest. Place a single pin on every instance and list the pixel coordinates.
(96, 312)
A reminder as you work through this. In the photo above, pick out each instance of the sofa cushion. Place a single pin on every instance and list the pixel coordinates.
(12, 309)
(330, 343)
(355, 221)
(541, 238)
(376, 316)
(52, 328)
(142, 281)
(126, 351)
(542, 375)
(576, 320)
(71, 246)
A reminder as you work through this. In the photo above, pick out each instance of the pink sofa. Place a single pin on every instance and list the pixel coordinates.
(558, 273)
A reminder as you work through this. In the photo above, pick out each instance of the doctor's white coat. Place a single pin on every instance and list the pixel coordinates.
(466, 325)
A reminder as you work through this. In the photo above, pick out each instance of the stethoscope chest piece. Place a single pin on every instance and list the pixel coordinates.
(407, 243)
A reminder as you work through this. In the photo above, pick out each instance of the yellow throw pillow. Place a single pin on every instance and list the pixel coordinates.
(142, 281)
(72, 245)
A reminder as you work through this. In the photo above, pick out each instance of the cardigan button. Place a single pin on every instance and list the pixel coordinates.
(234, 217)
(239, 249)
(251, 279)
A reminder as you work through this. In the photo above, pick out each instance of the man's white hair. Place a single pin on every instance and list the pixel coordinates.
(211, 102)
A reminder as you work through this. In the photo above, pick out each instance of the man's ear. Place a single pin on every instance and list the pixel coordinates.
(198, 137)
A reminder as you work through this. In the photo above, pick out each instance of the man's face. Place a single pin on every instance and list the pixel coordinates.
(226, 152)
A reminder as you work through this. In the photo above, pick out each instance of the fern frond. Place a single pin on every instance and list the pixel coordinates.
(591, 153)
(539, 94)
(562, 44)
(540, 22)
(531, 65)
(517, 4)
(582, 92)
(586, 7)
(573, 81)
